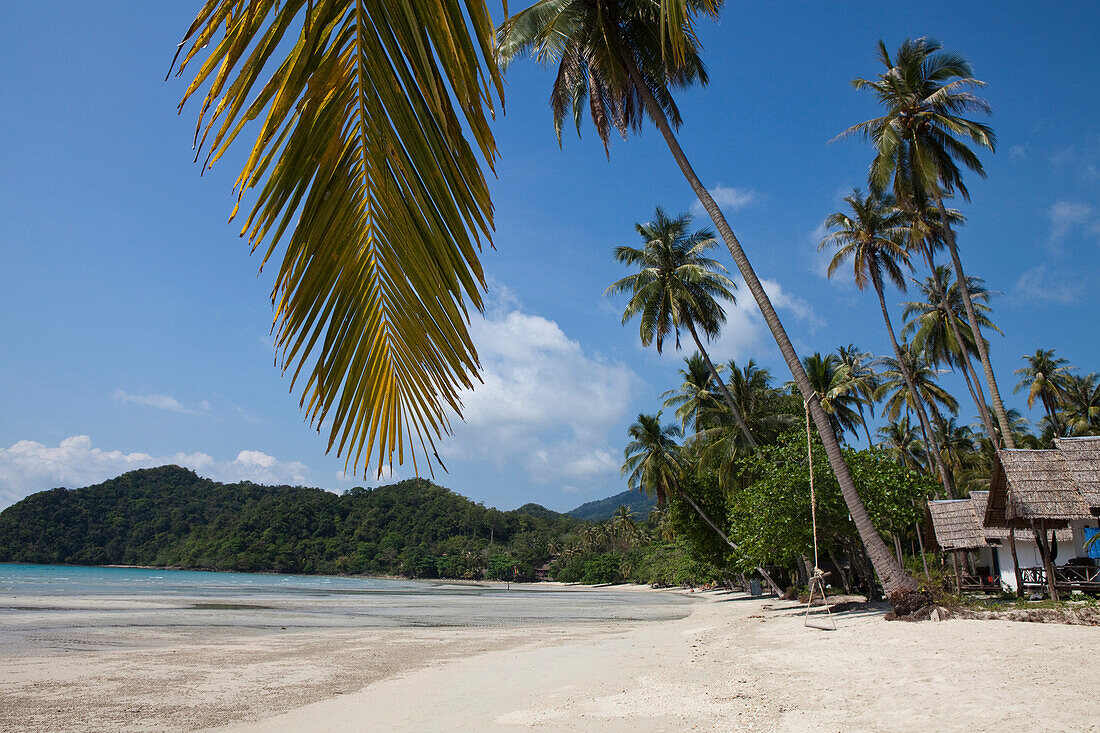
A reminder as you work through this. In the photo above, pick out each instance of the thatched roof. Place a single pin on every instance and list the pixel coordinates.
(1082, 457)
(999, 535)
(956, 524)
(1031, 485)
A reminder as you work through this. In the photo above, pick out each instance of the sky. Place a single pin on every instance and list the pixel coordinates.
(136, 328)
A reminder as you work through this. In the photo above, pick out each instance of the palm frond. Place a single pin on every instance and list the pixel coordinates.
(368, 185)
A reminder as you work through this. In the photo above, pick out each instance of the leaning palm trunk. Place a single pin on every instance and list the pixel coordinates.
(764, 573)
(975, 387)
(893, 575)
(979, 342)
(918, 405)
(737, 416)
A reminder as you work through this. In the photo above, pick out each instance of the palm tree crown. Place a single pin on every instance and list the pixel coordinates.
(676, 285)
(924, 90)
(927, 319)
(1044, 378)
(590, 41)
(653, 463)
(872, 236)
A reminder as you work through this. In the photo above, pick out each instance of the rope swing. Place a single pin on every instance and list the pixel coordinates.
(817, 582)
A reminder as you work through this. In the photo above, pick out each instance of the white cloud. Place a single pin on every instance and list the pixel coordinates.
(1065, 215)
(161, 402)
(1017, 152)
(745, 334)
(28, 466)
(546, 407)
(727, 198)
(1045, 284)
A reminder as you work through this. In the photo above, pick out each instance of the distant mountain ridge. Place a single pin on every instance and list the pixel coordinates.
(597, 511)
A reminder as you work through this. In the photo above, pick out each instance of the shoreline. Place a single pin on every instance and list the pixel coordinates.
(729, 662)
(740, 663)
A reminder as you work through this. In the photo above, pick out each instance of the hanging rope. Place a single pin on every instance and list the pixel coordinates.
(817, 582)
(813, 494)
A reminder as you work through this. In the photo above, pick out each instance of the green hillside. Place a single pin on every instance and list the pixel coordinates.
(169, 516)
(598, 511)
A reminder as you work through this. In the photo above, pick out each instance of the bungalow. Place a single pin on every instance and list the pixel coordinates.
(1053, 497)
(959, 531)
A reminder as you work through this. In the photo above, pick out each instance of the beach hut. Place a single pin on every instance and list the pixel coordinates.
(958, 530)
(1053, 495)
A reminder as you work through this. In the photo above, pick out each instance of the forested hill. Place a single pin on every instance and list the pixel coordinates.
(597, 511)
(169, 516)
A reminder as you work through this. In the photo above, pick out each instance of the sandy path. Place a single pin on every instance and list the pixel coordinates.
(746, 664)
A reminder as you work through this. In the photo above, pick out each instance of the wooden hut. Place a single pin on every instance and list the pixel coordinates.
(958, 530)
(1053, 495)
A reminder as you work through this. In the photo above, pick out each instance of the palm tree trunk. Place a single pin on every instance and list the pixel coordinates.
(964, 355)
(862, 419)
(894, 577)
(1050, 416)
(979, 342)
(722, 386)
(918, 405)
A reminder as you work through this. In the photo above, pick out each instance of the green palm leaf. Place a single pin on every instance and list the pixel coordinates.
(365, 181)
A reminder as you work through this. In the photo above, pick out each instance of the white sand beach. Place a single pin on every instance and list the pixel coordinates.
(732, 663)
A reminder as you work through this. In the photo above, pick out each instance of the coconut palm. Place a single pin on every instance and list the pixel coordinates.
(858, 380)
(918, 148)
(937, 327)
(653, 464)
(901, 443)
(827, 375)
(767, 409)
(896, 395)
(1044, 378)
(371, 127)
(696, 398)
(959, 447)
(1081, 403)
(612, 57)
(677, 287)
(926, 234)
(873, 238)
(718, 446)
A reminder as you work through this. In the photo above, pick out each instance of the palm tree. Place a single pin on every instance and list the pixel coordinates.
(1044, 378)
(859, 380)
(895, 394)
(613, 53)
(1081, 403)
(873, 238)
(937, 327)
(676, 287)
(372, 126)
(898, 393)
(926, 233)
(901, 443)
(959, 447)
(653, 464)
(717, 445)
(829, 380)
(694, 400)
(925, 91)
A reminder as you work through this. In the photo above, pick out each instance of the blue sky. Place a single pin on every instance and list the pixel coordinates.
(136, 329)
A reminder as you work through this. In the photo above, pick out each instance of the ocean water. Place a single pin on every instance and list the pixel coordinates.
(51, 603)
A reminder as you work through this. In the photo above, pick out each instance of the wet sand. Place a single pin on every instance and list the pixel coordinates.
(717, 662)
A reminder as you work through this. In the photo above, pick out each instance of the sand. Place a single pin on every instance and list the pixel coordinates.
(732, 663)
